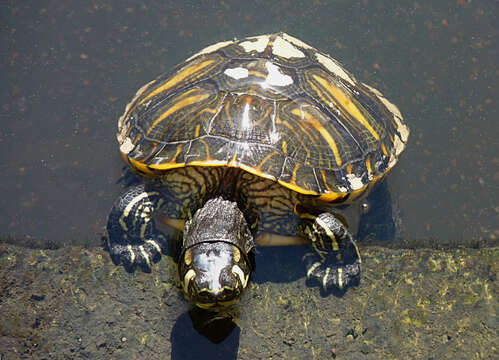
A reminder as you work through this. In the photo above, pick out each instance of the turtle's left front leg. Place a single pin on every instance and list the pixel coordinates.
(132, 238)
(335, 261)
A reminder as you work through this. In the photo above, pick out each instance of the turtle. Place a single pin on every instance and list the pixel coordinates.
(256, 141)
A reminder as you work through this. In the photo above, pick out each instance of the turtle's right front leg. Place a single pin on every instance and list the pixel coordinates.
(335, 261)
(132, 238)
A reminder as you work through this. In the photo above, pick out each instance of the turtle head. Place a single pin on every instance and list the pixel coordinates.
(215, 264)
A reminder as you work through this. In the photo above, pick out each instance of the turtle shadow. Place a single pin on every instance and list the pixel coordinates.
(202, 334)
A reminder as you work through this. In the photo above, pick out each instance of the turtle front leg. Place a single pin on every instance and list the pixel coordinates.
(335, 262)
(132, 238)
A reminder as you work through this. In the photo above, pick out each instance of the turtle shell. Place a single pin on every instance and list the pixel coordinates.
(270, 105)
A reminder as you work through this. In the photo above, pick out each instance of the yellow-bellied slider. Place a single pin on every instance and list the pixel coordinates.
(259, 138)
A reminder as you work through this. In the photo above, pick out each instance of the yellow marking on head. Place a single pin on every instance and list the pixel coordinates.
(349, 168)
(189, 275)
(237, 271)
(237, 254)
(321, 129)
(188, 257)
(346, 103)
(178, 78)
(177, 106)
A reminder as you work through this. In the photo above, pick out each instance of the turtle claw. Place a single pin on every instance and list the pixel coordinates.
(138, 254)
(329, 274)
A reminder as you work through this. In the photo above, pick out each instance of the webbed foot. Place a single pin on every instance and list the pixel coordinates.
(132, 238)
(335, 262)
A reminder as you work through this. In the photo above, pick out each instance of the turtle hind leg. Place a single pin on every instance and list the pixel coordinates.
(335, 261)
(132, 238)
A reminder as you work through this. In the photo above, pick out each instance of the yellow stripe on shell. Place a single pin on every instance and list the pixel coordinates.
(149, 169)
(177, 106)
(321, 129)
(132, 103)
(332, 196)
(324, 179)
(284, 147)
(293, 174)
(383, 148)
(233, 162)
(346, 103)
(298, 138)
(178, 78)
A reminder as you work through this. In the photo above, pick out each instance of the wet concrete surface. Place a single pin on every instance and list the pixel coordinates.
(74, 303)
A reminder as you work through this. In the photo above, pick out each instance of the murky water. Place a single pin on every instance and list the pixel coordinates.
(68, 71)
